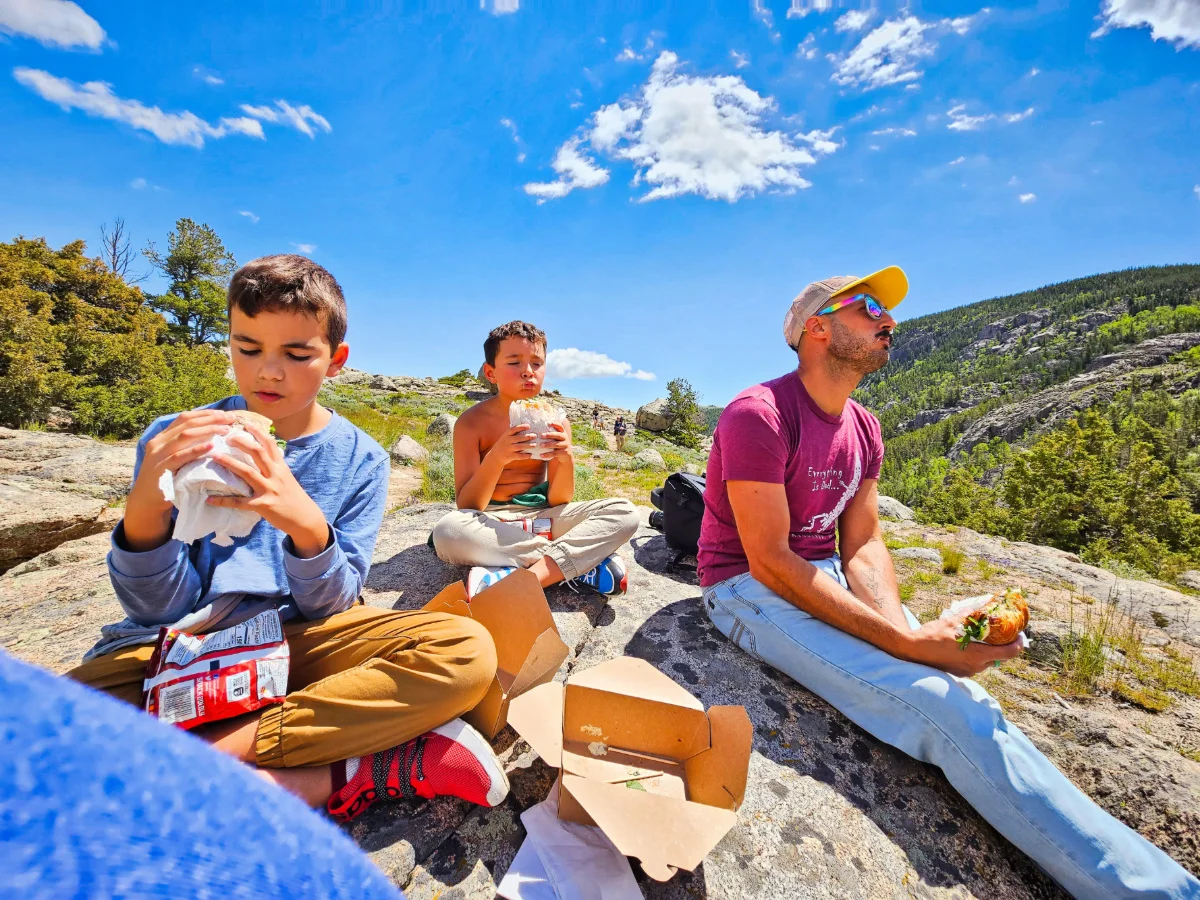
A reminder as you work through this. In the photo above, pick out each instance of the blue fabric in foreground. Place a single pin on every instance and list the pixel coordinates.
(98, 800)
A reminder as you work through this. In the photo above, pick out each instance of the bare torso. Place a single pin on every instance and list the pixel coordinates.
(487, 423)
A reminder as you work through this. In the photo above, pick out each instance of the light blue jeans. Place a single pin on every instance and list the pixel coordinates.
(957, 726)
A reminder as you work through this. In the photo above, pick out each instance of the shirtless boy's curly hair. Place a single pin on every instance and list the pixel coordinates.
(517, 329)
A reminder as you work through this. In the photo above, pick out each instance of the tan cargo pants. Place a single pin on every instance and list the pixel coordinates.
(582, 535)
(360, 681)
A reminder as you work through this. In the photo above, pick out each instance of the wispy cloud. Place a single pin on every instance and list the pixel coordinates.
(899, 132)
(801, 8)
(1027, 198)
(55, 23)
(1196, 191)
(96, 98)
(1177, 21)
(572, 363)
(302, 118)
(687, 134)
(740, 60)
(141, 184)
(807, 48)
(960, 121)
(500, 7)
(854, 20)
(574, 171)
(207, 77)
(249, 215)
(892, 52)
(1035, 72)
(629, 55)
(957, 162)
(1017, 117)
(762, 12)
(306, 249)
(512, 127)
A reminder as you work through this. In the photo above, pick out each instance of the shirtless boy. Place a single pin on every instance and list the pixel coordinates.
(516, 511)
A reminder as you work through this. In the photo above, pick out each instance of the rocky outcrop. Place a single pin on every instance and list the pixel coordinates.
(829, 811)
(56, 488)
(650, 458)
(891, 508)
(654, 416)
(1144, 365)
(407, 452)
(442, 425)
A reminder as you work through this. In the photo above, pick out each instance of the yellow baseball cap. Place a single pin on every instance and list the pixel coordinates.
(889, 286)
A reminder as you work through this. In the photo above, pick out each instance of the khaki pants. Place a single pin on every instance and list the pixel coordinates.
(582, 535)
(620, 443)
(361, 681)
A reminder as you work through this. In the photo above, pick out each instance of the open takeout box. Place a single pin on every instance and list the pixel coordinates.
(639, 757)
(528, 647)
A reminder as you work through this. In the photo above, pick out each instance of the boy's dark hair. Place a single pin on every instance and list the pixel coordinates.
(517, 329)
(286, 282)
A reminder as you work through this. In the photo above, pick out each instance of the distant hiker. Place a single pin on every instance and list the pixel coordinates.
(515, 511)
(619, 430)
(374, 693)
(595, 417)
(794, 570)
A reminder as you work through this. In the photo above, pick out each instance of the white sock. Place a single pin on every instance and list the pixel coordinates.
(352, 765)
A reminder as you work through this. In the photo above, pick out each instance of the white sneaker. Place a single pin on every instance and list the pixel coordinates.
(481, 577)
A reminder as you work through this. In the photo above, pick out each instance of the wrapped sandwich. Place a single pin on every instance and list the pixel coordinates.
(539, 415)
(993, 618)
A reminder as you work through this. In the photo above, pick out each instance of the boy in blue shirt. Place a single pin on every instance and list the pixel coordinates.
(373, 693)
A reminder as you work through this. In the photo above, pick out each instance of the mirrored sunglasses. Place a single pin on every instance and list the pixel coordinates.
(874, 307)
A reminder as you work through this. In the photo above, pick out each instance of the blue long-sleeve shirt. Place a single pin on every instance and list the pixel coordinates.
(203, 586)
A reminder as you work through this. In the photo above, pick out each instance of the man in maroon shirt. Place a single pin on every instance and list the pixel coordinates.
(795, 571)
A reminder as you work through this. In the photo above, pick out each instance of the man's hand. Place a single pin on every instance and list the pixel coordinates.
(512, 446)
(936, 644)
(278, 496)
(147, 522)
(559, 441)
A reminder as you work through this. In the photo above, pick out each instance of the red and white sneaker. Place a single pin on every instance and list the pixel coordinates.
(453, 760)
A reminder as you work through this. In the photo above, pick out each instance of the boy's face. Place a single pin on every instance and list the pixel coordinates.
(520, 368)
(280, 360)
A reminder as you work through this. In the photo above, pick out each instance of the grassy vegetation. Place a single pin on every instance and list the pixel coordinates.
(587, 437)
(951, 560)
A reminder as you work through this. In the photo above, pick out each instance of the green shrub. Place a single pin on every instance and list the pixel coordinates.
(588, 485)
(951, 560)
(437, 482)
(587, 437)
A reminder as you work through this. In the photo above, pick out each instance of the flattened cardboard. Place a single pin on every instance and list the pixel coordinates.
(528, 647)
(640, 758)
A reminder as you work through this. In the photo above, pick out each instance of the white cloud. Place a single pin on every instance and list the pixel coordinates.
(249, 215)
(1012, 182)
(1196, 191)
(284, 113)
(1027, 198)
(1097, 121)
(628, 55)
(207, 77)
(500, 7)
(1034, 72)
(96, 98)
(574, 171)
(762, 12)
(1177, 21)
(821, 141)
(899, 132)
(854, 20)
(512, 126)
(960, 121)
(801, 8)
(1017, 117)
(572, 363)
(55, 23)
(740, 60)
(306, 249)
(139, 184)
(958, 162)
(887, 55)
(807, 48)
(964, 24)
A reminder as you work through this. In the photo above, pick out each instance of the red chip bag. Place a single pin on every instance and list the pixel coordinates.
(196, 678)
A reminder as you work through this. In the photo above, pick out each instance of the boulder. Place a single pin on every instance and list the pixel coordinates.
(482, 379)
(34, 519)
(927, 554)
(891, 508)
(383, 383)
(442, 425)
(1189, 579)
(408, 452)
(654, 416)
(67, 462)
(650, 458)
(693, 469)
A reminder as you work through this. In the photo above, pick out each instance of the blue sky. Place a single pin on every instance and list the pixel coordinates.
(651, 186)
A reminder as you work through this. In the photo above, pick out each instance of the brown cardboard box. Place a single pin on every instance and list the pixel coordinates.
(528, 648)
(639, 757)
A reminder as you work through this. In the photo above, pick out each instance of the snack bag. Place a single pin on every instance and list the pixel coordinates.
(538, 415)
(196, 678)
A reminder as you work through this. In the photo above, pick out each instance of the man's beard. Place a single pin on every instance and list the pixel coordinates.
(853, 354)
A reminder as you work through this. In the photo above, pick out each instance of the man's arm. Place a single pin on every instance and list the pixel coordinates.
(865, 558)
(760, 510)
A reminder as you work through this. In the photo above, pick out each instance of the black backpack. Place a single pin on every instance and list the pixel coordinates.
(681, 499)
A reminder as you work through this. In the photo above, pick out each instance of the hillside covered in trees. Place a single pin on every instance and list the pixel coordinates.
(1067, 415)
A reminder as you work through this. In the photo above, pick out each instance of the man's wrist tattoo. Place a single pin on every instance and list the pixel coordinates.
(871, 580)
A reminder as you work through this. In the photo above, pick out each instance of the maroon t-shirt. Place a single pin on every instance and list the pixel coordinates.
(775, 432)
